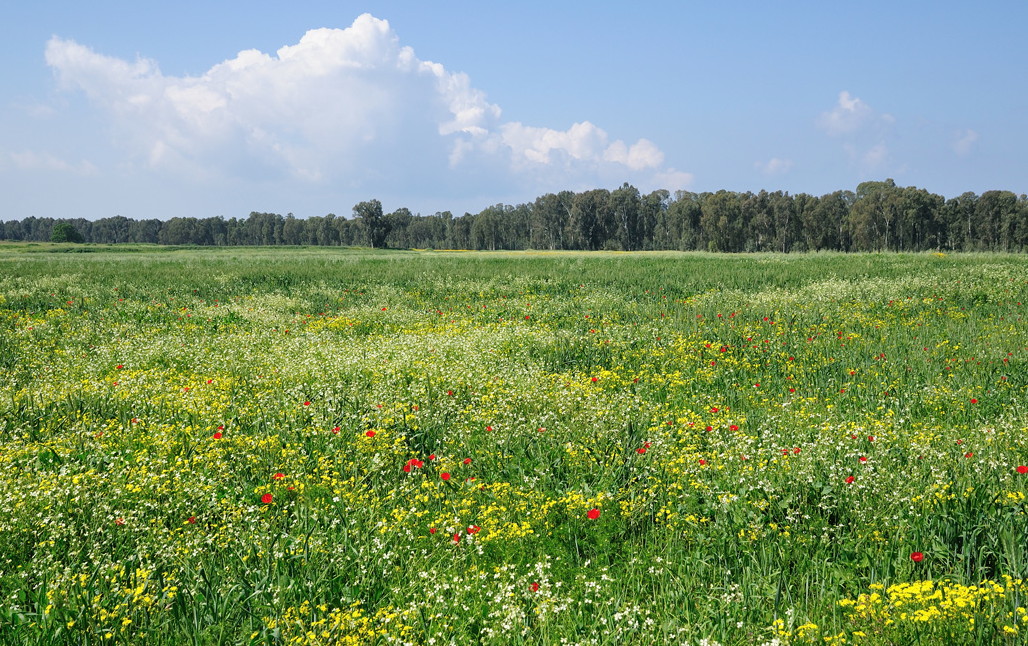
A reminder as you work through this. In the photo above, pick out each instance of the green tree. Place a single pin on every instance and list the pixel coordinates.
(65, 232)
(374, 223)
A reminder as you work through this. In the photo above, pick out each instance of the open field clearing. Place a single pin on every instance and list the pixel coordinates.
(325, 446)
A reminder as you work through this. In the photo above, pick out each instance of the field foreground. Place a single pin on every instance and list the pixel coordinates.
(255, 446)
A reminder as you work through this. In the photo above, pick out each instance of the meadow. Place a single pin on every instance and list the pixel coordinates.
(335, 446)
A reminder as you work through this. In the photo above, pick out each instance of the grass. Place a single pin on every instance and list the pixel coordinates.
(248, 446)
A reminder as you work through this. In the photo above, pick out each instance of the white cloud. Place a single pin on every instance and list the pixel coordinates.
(31, 160)
(964, 141)
(342, 105)
(847, 115)
(774, 166)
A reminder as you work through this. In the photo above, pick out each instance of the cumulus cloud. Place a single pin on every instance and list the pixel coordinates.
(774, 166)
(964, 141)
(346, 105)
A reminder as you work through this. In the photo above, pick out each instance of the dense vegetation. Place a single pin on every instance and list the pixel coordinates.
(327, 446)
(878, 216)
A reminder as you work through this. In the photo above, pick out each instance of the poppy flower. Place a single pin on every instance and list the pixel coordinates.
(335, 430)
(916, 557)
(850, 479)
(968, 454)
(702, 462)
(534, 587)
(444, 475)
(714, 409)
(267, 498)
(370, 433)
(450, 393)
(191, 520)
(863, 458)
(489, 428)
(733, 427)
(431, 530)
(593, 514)
(474, 529)
(974, 401)
(1022, 469)
(467, 460)
(279, 476)
(595, 379)
(306, 403)
(217, 435)
(456, 538)
(641, 450)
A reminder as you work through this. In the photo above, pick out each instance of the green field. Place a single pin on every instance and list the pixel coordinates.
(332, 446)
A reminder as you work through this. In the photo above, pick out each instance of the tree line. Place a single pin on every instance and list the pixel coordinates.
(878, 216)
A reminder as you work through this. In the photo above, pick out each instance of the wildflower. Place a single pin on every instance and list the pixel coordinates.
(370, 434)
(974, 401)
(534, 587)
(863, 458)
(191, 520)
(307, 403)
(217, 435)
(467, 460)
(593, 514)
(641, 450)
(266, 499)
(968, 454)
(431, 530)
(1022, 469)
(474, 529)
(456, 537)
(444, 475)
(916, 557)
(702, 462)
(850, 479)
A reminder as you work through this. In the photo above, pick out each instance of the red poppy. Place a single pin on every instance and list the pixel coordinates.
(733, 427)
(335, 430)
(1022, 469)
(119, 521)
(217, 435)
(474, 529)
(370, 433)
(702, 462)
(444, 475)
(266, 499)
(850, 480)
(974, 401)
(489, 428)
(796, 450)
(968, 454)
(456, 538)
(118, 367)
(431, 530)
(870, 438)
(595, 379)
(467, 460)
(191, 520)
(593, 514)
(916, 557)
(534, 587)
(641, 450)
(450, 393)
(714, 409)
(306, 403)
(863, 459)
(279, 476)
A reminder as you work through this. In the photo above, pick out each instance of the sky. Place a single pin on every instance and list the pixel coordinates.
(200, 109)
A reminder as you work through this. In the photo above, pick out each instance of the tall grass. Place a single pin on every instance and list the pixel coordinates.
(249, 446)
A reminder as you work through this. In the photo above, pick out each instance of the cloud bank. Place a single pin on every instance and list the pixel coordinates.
(342, 106)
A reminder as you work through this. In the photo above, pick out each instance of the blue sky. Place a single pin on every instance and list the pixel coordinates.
(203, 109)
